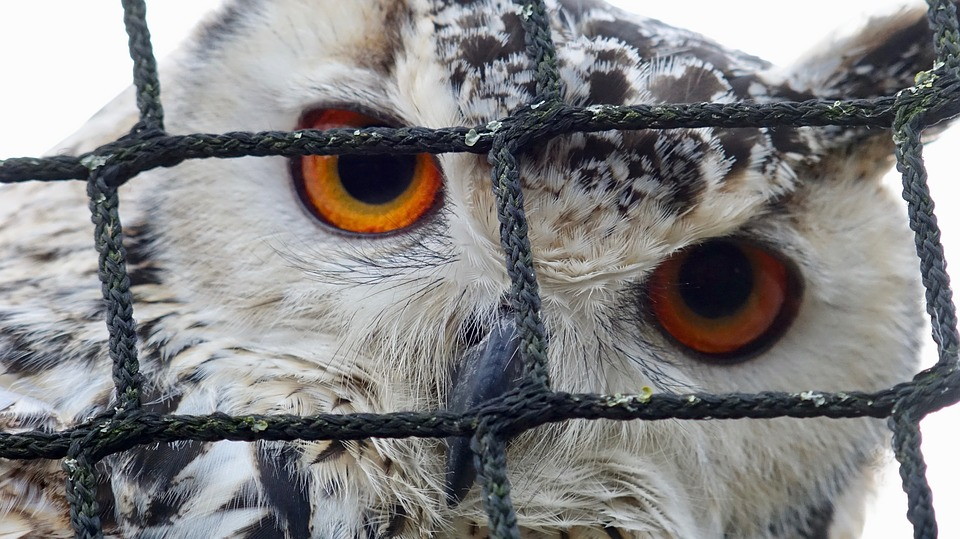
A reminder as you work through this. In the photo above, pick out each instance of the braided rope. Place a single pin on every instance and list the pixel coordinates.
(493, 423)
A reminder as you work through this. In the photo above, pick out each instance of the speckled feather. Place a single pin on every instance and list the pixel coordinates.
(246, 304)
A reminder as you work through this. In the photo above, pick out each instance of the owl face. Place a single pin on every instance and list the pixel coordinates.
(682, 260)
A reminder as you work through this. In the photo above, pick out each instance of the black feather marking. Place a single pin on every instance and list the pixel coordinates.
(284, 486)
(613, 533)
(105, 498)
(334, 450)
(270, 527)
(819, 521)
(141, 268)
(20, 355)
(161, 511)
(144, 275)
(608, 87)
(26, 353)
(694, 85)
(788, 140)
(245, 498)
(810, 521)
(231, 19)
(398, 521)
(155, 469)
(370, 529)
(737, 146)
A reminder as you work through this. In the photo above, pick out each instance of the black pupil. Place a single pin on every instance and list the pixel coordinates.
(715, 280)
(376, 179)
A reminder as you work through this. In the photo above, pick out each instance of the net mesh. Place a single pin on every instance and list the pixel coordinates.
(533, 403)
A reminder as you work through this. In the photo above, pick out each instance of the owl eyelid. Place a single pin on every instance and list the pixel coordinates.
(382, 117)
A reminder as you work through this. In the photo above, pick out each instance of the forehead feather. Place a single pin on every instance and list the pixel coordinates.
(608, 57)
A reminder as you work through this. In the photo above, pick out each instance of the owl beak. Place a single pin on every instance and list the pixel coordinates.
(489, 368)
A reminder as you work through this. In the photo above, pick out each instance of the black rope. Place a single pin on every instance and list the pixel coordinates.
(145, 77)
(81, 492)
(913, 473)
(492, 424)
(490, 455)
(539, 41)
(515, 412)
(115, 287)
(136, 155)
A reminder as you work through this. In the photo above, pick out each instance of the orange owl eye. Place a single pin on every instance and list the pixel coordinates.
(368, 194)
(724, 299)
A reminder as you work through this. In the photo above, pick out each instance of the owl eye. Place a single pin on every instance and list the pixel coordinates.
(724, 299)
(369, 194)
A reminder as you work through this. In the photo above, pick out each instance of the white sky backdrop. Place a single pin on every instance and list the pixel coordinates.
(60, 60)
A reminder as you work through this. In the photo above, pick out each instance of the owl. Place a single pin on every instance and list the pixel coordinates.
(668, 261)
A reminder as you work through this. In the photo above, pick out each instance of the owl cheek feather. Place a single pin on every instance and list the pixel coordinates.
(489, 368)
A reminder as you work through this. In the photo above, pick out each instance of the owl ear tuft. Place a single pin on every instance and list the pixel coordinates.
(879, 59)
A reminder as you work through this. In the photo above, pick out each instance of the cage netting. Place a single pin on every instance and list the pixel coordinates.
(533, 403)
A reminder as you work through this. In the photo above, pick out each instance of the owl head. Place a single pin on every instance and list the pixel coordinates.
(676, 260)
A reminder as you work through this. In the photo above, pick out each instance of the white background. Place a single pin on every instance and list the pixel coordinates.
(60, 60)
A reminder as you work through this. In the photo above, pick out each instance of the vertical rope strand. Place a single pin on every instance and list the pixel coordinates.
(490, 452)
(905, 420)
(946, 27)
(115, 287)
(145, 76)
(913, 472)
(540, 47)
(923, 221)
(940, 306)
(525, 291)
(82, 494)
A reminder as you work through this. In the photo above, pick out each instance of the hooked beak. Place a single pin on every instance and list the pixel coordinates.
(489, 369)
